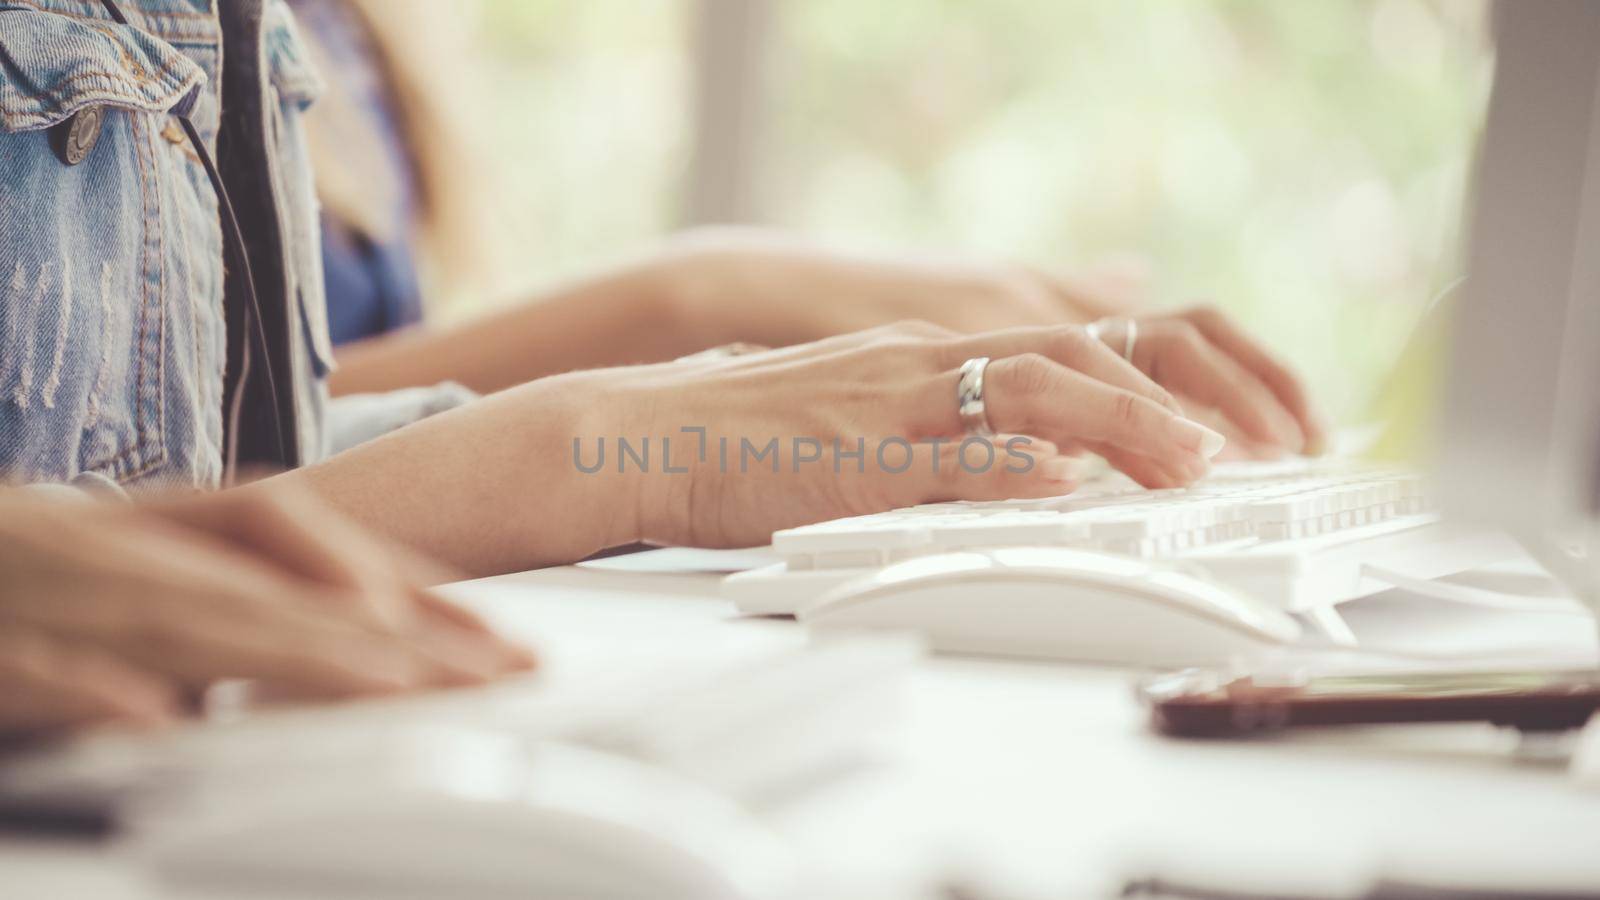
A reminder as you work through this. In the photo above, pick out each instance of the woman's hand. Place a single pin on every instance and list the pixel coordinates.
(48, 685)
(741, 284)
(380, 585)
(869, 421)
(758, 286)
(113, 612)
(1222, 375)
(723, 451)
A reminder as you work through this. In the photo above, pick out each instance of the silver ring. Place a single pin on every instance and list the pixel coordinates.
(1097, 330)
(969, 397)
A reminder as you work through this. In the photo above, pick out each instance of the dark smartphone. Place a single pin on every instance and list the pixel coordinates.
(1199, 703)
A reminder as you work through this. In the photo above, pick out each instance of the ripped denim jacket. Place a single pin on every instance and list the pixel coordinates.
(113, 337)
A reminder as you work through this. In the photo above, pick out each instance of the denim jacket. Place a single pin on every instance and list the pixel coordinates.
(116, 343)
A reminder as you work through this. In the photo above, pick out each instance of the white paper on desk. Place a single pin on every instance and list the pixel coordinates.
(1406, 621)
(679, 560)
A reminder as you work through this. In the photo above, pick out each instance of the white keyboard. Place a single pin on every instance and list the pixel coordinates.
(1299, 535)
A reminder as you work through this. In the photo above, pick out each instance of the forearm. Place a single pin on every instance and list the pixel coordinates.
(718, 286)
(709, 288)
(765, 287)
(490, 487)
(626, 315)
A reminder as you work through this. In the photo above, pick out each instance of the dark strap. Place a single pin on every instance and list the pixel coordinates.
(238, 260)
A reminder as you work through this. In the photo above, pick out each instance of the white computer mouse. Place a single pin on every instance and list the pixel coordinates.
(1057, 603)
(465, 816)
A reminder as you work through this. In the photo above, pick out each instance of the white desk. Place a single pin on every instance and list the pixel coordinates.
(1043, 778)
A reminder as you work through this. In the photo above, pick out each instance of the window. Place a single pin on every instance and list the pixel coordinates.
(1299, 163)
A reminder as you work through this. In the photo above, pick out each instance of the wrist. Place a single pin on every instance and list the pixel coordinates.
(613, 501)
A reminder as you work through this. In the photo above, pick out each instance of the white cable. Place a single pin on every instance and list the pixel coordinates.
(1459, 594)
(1465, 595)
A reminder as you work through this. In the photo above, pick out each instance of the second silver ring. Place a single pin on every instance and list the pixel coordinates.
(1130, 333)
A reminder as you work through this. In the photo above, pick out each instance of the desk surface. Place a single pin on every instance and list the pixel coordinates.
(1042, 780)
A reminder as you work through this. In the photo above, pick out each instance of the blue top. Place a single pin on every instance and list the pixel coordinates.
(371, 280)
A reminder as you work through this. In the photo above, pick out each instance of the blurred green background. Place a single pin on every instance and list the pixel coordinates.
(1300, 162)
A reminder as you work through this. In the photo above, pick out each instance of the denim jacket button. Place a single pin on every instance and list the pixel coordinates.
(75, 137)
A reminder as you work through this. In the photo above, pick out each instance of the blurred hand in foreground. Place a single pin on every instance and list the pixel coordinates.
(112, 613)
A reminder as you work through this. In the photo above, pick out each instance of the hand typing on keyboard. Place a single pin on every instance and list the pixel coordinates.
(872, 421)
(723, 450)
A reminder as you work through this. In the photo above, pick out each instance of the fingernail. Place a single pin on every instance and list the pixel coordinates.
(1060, 468)
(1191, 435)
